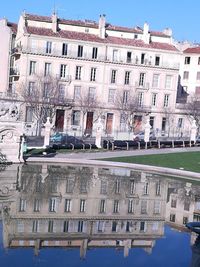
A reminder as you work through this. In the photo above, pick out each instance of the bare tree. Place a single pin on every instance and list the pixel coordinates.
(193, 109)
(129, 106)
(43, 96)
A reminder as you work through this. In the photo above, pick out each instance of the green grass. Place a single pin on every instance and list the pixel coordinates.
(189, 161)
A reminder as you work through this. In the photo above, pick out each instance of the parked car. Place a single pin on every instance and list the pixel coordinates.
(140, 136)
(63, 138)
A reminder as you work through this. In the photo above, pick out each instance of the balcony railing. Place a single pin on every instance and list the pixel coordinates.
(100, 57)
(14, 72)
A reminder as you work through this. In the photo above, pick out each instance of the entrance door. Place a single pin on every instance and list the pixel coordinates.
(89, 123)
(109, 123)
(59, 123)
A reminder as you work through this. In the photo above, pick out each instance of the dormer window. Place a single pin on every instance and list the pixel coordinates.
(187, 60)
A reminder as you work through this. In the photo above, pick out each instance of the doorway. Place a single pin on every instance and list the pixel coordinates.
(59, 123)
(89, 123)
(109, 123)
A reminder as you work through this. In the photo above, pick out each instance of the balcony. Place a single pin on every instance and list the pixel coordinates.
(14, 72)
(142, 86)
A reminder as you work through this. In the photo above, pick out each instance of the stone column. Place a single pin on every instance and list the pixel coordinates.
(47, 132)
(193, 132)
(147, 128)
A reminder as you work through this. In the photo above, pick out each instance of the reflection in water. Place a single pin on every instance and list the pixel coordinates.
(66, 206)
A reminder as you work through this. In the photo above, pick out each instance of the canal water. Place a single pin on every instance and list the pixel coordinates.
(62, 215)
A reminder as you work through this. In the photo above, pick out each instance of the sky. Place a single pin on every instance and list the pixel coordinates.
(182, 16)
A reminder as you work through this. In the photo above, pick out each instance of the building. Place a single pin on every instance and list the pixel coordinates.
(118, 74)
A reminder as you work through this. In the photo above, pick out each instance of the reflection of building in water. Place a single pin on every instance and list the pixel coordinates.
(85, 207)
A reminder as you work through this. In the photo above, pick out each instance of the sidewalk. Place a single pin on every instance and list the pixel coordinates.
(123, 153)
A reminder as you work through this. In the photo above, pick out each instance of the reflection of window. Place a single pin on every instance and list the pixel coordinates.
(130, 206)
(76, 117)
(172, 218)
(82, 205)
(116, 206)
(67, 205)
(102, 207)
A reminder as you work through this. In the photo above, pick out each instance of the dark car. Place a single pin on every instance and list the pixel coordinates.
(63, 138)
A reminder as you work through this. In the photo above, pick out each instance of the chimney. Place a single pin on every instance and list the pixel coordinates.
(168, 32)
(146, 35)
(102, 26)
(54, 22)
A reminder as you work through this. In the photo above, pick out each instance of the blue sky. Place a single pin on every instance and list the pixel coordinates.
(182, 16)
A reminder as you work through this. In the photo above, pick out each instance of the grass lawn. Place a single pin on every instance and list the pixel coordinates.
(189, 161)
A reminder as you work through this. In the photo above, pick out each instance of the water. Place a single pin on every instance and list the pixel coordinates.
(88, 216)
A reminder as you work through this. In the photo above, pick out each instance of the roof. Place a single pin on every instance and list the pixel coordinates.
(94, 38)
(13, 26)
(94, 24)
(193, 50)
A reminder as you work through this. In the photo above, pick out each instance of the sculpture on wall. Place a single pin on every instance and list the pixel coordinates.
(9, 112)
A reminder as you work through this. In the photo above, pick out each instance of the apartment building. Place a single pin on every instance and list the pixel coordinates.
(118, 74)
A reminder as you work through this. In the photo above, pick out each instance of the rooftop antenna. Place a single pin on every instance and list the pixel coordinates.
(54, 7)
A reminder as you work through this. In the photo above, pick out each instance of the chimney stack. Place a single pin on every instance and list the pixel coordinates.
(102, 26)
(54, 22)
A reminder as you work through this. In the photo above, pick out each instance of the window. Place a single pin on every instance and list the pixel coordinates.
(157, 61)
(111, 96)
(52, 205)
(113, 76)
(198, 60)
(164, 122)
(22, 204)
(94, 52)
(80, 226)
(186, 75)
(157, 206)
(64, 49)
(70, 186)
(46, 90)
(47, 69)
(32, 68)
(68, 205)
(142, 79)
(100, 227)
(140, 98)
(142, 226)
(185, 220)
(172, 217)
(151, 121)
(78, 73)
(198, 75)
(143, 206)
(130, 206)
(77, 92)
(168, 82)
(187, 205)
(50, 226)
(63, 71)
(127, 77)
(173, 203)
(166, 101)
(114, 226)
(153, 99)
(102, 207)
(128, 58)
(155, 81)
(83, 186)
(48, 47)
(146, 189)
(125, 96)
(103, 189)
(35, 226)
(91, 93)
(31, 87)
(116, 206)
(132, 187)
(117, 187)
(158, 187)
(29, 114)
(180, 123)
(187, 60)
(61, 91)
(93, 74)
(66, 226)
(36, 207)
(142, 58)
(115, 55)
(80, 51)
(76, 117)
(82, 205)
